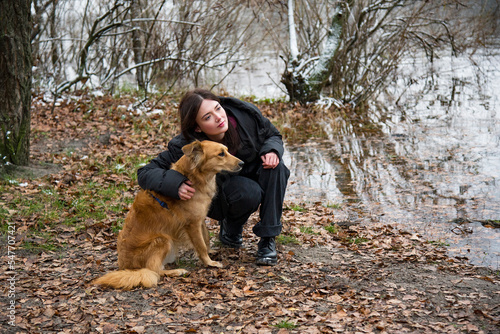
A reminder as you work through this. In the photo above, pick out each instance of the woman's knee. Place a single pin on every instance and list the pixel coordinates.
(277, 176)
(244, 193)
(282, 169)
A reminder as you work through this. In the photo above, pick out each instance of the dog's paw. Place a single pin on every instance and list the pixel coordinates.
(215, 264)
(174, 272)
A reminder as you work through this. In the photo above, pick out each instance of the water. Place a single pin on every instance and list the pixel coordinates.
(430, 158)
(429, 153)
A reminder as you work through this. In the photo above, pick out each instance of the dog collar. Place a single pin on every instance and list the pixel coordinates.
(163, 204)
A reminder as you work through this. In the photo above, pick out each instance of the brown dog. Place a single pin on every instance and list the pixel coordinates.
(156, 225)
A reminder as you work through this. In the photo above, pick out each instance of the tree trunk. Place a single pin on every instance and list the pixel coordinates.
(53, 35)
(324, 67)
(307, 88)
(15, 81)
(135, 11)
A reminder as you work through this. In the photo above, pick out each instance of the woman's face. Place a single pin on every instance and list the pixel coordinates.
(212, 120)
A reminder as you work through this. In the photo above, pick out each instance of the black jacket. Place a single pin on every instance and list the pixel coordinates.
(258, 136)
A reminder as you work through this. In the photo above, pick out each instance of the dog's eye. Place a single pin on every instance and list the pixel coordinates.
(221, 154)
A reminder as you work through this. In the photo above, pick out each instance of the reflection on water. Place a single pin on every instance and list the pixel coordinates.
(434, 157)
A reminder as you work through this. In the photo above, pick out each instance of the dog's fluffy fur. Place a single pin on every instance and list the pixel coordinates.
(151, 233)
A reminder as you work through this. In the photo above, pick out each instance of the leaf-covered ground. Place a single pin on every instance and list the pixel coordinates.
(332, 276)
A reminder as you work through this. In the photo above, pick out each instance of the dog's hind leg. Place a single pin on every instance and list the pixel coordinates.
(171, 255)
(158, 250)
(199, 238)
(170, 258)
(174, 272)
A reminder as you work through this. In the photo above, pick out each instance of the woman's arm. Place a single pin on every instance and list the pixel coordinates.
(273, 140)
(269, 136)
(158, 176)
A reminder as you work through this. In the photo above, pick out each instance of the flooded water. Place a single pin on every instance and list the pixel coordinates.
(427, 155)
(420, 163)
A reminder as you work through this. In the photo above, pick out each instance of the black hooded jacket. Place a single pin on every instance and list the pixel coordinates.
(258, 136)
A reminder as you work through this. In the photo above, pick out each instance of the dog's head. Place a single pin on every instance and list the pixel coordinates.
(209, 156)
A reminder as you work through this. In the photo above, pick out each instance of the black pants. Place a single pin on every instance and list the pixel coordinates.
(238, 196)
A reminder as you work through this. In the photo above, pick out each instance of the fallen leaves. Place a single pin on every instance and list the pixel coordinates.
(333, 276)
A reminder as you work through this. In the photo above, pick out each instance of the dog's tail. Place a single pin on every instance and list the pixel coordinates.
(128, 279)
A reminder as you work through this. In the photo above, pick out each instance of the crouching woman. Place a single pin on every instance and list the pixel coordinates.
(261, 184)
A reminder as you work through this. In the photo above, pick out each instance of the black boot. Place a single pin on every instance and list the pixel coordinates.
(231, 240)
(267, 255)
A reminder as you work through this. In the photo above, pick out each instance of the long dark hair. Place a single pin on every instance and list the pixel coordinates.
(188, 110)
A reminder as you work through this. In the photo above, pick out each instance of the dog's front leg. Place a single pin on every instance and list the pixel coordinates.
(206, 237)
(198, 239)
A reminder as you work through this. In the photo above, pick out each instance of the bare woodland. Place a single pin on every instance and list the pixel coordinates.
(143, 43)
(343, 49)
(348, 47)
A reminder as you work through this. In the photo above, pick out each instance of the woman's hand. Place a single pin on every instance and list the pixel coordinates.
(186, 191)
(270, 160)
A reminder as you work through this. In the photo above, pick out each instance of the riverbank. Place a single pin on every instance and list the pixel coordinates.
(334, 275)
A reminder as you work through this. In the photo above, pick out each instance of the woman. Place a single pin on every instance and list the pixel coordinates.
(262, 182)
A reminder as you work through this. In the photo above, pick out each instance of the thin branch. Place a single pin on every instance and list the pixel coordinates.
(159, 20)
(153, 61)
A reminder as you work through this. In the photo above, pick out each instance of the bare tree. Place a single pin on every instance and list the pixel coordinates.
(363, 44)
(15, 80)
(307, 87)
(92, 48)
(155, 42)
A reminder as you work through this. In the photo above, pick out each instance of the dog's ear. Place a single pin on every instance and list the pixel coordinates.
(194, 152)
(193, 147)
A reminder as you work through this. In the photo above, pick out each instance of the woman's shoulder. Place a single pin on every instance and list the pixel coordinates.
(173, 151)
(236, 105)
(178, 140)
